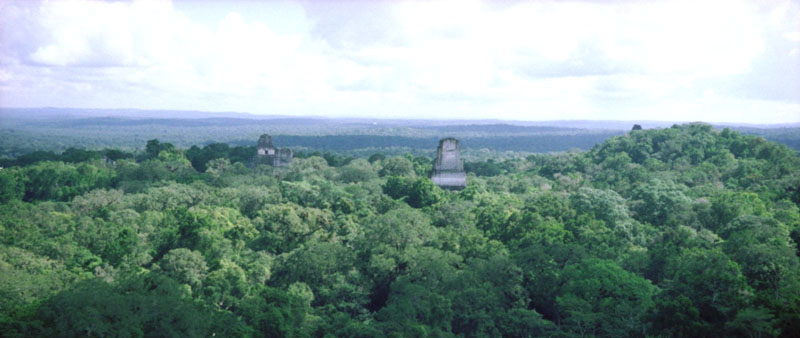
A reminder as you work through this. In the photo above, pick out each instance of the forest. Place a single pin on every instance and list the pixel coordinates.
(26, 131)
(684, 231)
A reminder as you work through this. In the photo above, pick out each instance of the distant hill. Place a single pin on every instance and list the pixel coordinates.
(123, 114)
(23, 130)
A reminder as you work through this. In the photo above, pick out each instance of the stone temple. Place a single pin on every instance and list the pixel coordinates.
(268, 154)
(448, 168)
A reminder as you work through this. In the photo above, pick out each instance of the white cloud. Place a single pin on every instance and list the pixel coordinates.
(792, 36)
(661, 37)
(527, 60)
(92, 33)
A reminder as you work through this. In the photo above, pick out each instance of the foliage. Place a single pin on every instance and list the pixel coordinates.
(676, 232)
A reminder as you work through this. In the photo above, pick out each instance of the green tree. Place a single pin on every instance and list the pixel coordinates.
(729, 205)
(185, 266)
(599, 298)
(488, 299)
(284, 227)
(712, 281)
(415, 311)
(661, 202)
(423, 193)
(12, 185)
(60, 181)
(358, 170)
(397, 187)
(154, 148)
(225, 287)
(328, 270)
(397, 166)
(385, 245)
(274, 313)
(137, 306)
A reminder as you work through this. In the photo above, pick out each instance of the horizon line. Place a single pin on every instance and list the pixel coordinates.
(356, 117)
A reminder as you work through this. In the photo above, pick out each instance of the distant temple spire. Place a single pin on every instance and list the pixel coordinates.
(268, 154)
(448, 168)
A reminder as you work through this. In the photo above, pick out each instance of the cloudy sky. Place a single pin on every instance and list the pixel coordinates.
(630, 60)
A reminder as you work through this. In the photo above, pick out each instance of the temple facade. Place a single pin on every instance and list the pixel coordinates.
(448, 168)
(268, 154)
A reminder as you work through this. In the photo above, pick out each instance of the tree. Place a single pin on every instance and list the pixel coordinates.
(12, 186)
(327, 269)
(218, 166)
(599, 298)
(488, 299)
(397, 187)
(137, 306)
(60, 181)
(767, 255)
(397, 166)
(274, 313)
(753, 323)
(225, 287)
(75, 155)
(609, 207)
(25, 280)
(712, 281)
(358, 170)
(678, 317)
(185, 266)
(729, 205)
(413, 310)
(661, 202)
(385, 245)
(423, 193)
(154, 148)
(376, 157)
(284, 227)
(252, 199)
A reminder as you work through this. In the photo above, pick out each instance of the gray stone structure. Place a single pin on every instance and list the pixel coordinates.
(448, 168)
(283, 158)
(268, 154)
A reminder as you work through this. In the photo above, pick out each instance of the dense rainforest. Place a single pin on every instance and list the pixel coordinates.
(678, 232)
